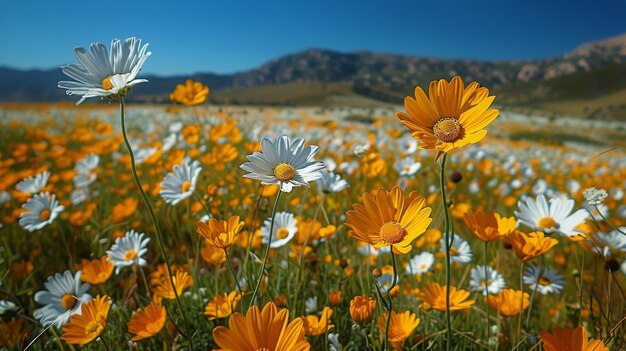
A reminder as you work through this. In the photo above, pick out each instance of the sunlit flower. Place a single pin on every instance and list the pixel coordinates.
(212, 255)
(486, 280)
(105, 74)
(490, 226)
(460, 250)
(401, 326)
(331, 182)
(565, 339)
(147, 322)
(285, 228)
(509, 302)
(189, 94)
(451, 117)
(83, 328)
(39, 211)
(285, 162)
(435, 295)
(362, 309)
(314, 325)
(531, 245)
(268, 329)
(421, 263)
(128, 250)
(63, 296)
(181, 183)
(222, 306)
(546, 280)
(97, 271)
(222, 233)
(33, 185)
(165, 290)
(595, 196)
(550, 217)
(388, 218)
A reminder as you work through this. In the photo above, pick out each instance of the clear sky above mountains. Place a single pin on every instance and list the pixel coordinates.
(229, 36)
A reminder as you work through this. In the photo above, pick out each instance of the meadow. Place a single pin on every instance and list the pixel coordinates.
(285, 228)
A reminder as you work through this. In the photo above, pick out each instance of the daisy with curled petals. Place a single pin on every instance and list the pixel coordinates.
(128, 250)
(285, 162)
(452, 116)
(570, 339)
(63, 296)
(531, 245)
(554, 216)
(222, 306)
(489, 227)
(221, 234)
(101, 73)
(268, 329)
(33, 185)
(434, 295)
(388, 218)
(181, 183)
(147, 322)
(39, 211)
(83, 328)
(401, 326)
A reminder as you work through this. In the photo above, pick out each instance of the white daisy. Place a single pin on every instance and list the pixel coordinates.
(63, 297)
(595, 196)
(33, 185)
(331, 182)
(79, 195)
(8, 309)
(360, 149)
(421, 263)
(333, 341)
(105, 74)
(460, 250)
(407, 166)
(41, 210)
(181, 183)
(87, 164)
(284, 229)
(614, 240)
(127, 250)
(550, 217)
(285, 162)
(547, 281)
(485, 279)
(310, 305)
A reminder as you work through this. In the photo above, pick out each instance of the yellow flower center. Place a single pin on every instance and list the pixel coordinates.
(44, 215)
(392, 232)
(284, 172)
(447, 129)
(106, 83)
(543, 281)
(547, 222)
(68, 301)
(185, 187)
(93, 327)
(423, 266)
(282, 233)
(453, 251)
(130, 255)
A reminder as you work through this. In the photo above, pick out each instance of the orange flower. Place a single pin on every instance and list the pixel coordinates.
(220, 234)
(570, 339)
(222, 306)
(85, 327)
(531, 245)
(314, 325)
(362, 308)
(165, 290)
(189, 94)
(334, 298)
(268, 329)
(97, 271)
(147, 322)
(435, 295)
(489, 227)
(212, 255)
(509, 302)
(401, 326)
(124, 209)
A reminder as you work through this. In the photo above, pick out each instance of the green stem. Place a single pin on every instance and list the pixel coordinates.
(486, 287)
(232, 271)
(133, 168)
(442, 178)
(532, 296)
(394, 281)
(519, 319)
(267, 250)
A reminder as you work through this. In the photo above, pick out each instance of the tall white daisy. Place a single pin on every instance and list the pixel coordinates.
(421, 263)
(546, 281)
(486, 280)
(181, 183)
(460, 250)
(63, 297)
(35, 184)
(40, 210)
(550, 217)
(330, 182)
(100, 73)
(284, 229)
(128, 250)
(285, 162)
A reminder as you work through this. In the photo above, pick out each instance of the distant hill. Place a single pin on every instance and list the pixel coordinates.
(319, 76)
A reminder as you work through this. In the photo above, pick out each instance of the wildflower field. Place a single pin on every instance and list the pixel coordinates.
(280, 228)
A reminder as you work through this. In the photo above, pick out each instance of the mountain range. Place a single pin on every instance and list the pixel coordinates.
(593, 72)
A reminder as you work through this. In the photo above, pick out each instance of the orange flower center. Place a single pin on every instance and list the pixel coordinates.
(453, 251)
(392, 232)
(543, 281)
(106, 83)
(282, 233)
(93, 327)
(130, 255)
(447, 129)
(44, 215)
(548, 222)
(185, 187)
(284, 172)
(68, 301)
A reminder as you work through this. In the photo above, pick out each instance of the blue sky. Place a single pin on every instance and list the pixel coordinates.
(230, 35)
